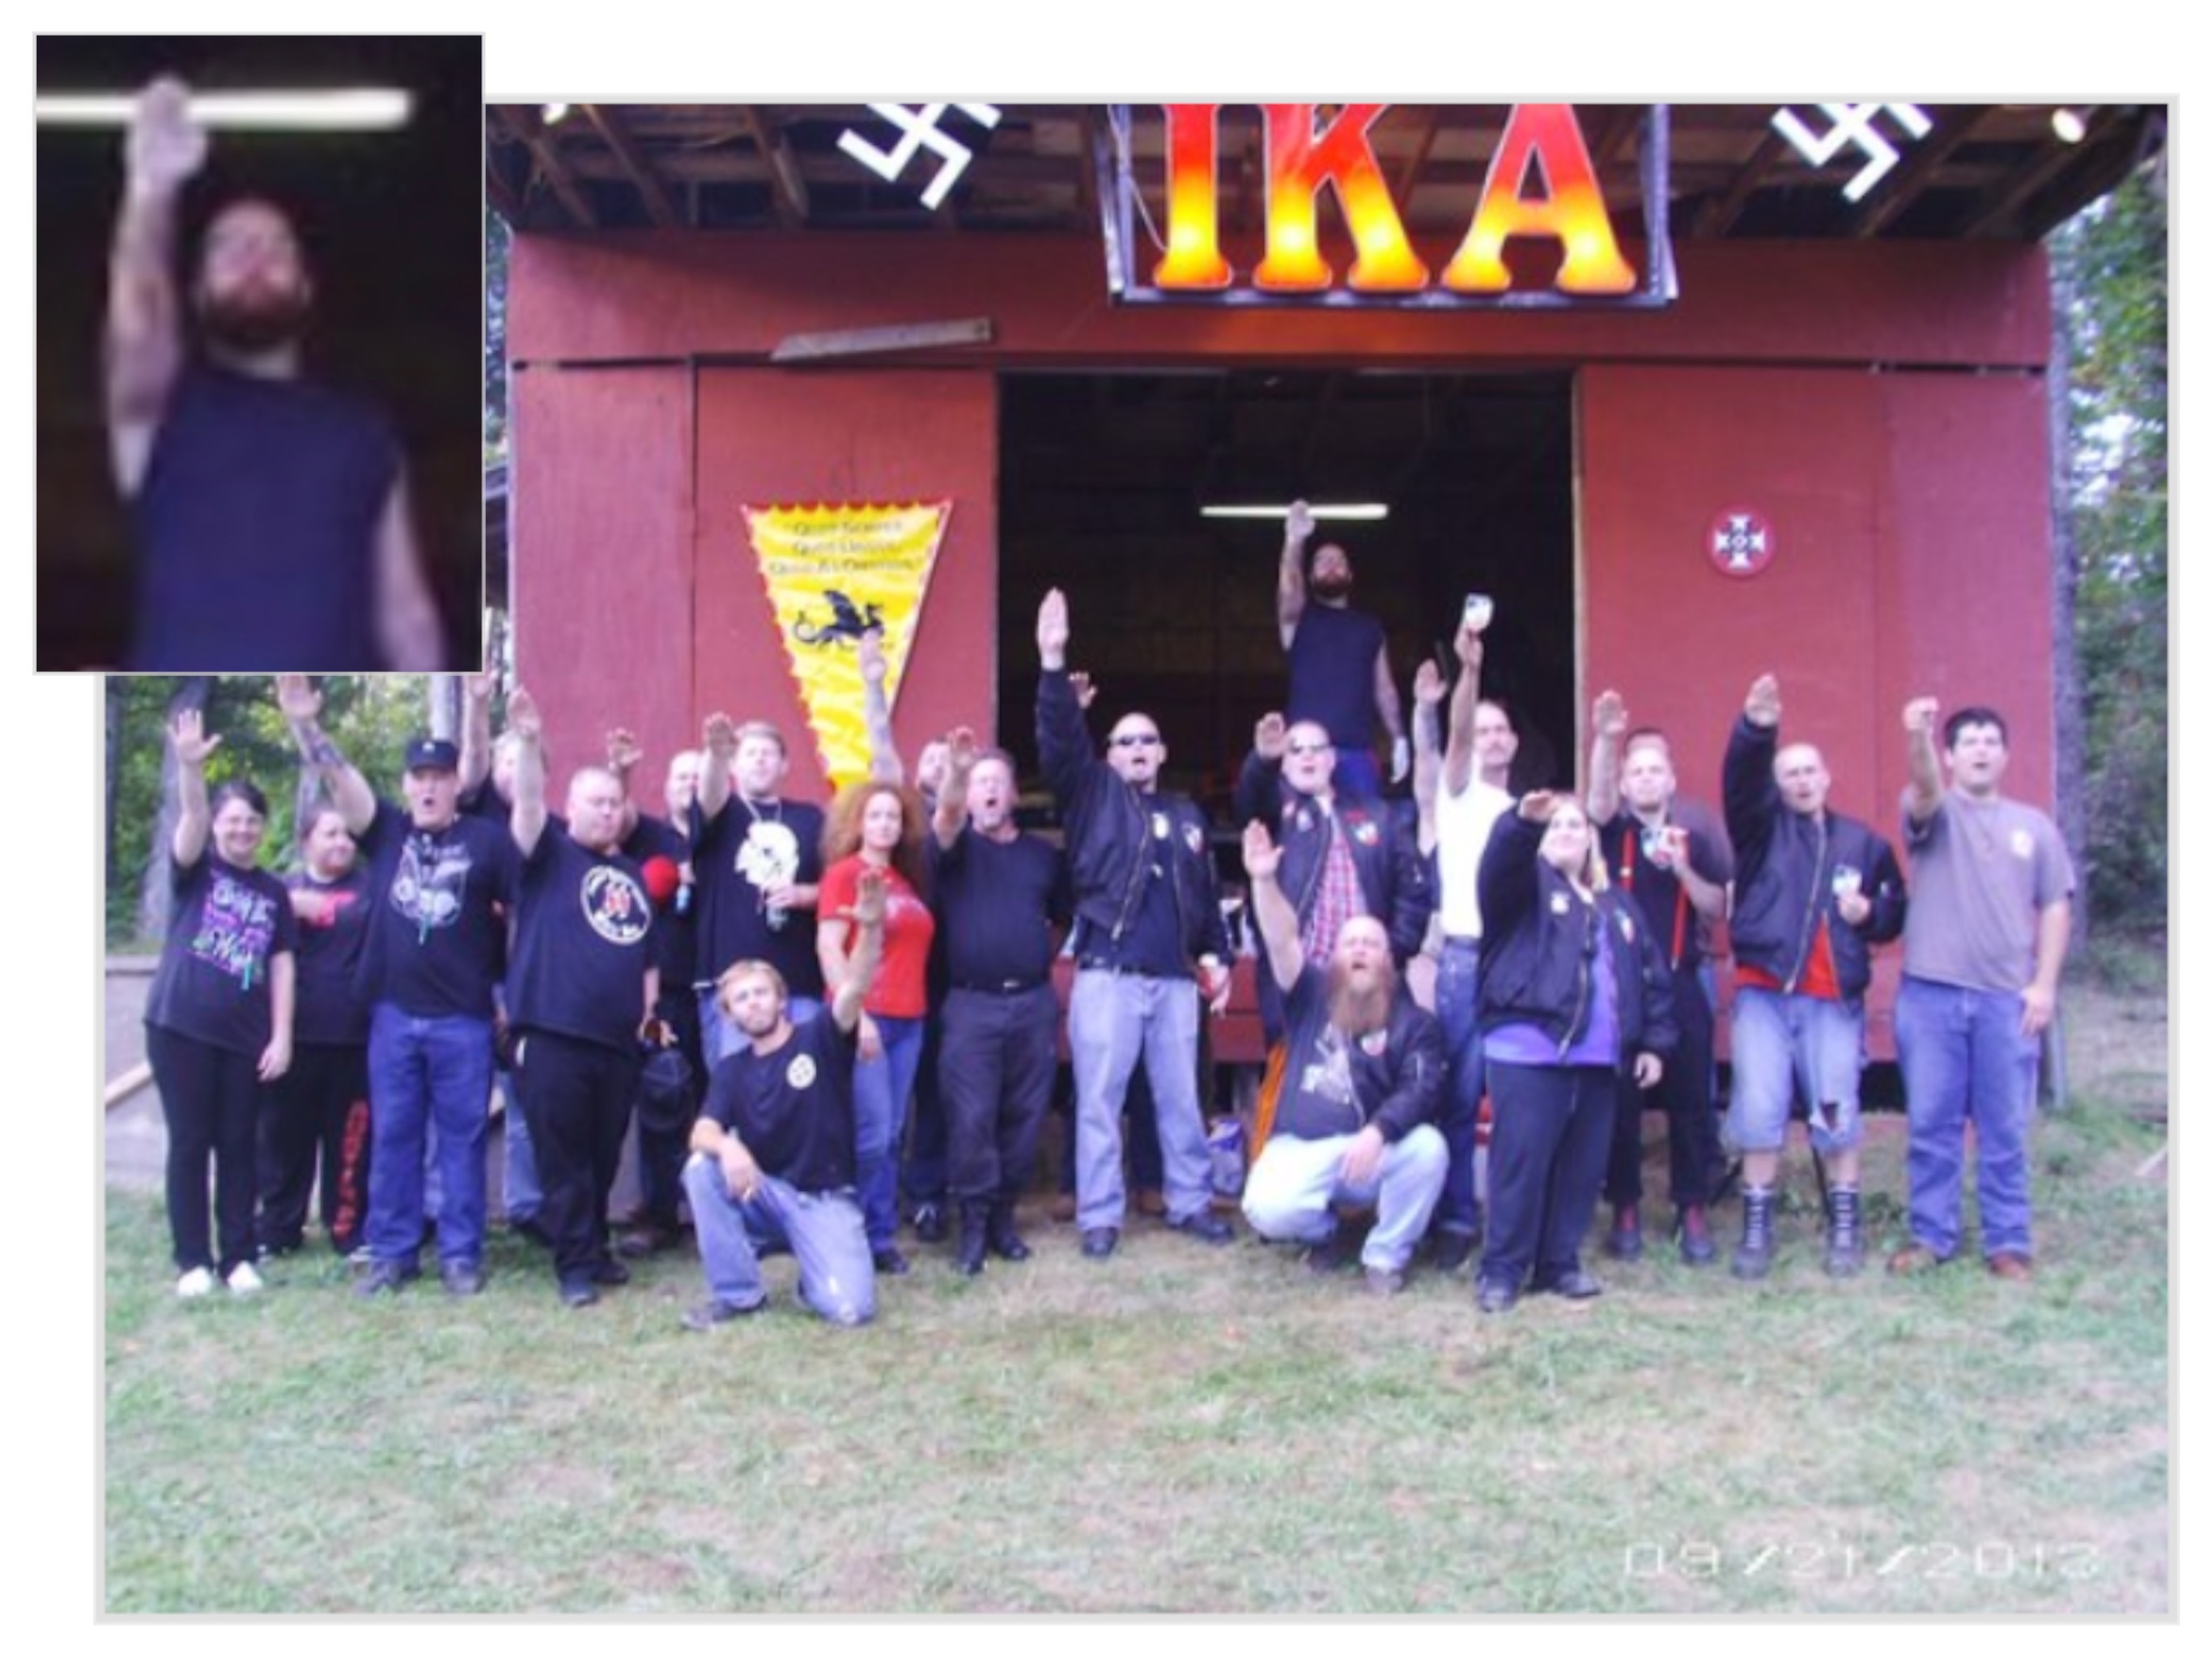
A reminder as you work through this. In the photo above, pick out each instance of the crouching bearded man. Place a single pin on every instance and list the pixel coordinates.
(1364, 1074)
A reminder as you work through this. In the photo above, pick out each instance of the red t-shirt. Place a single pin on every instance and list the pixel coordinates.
(1819, 979)
(901, 987)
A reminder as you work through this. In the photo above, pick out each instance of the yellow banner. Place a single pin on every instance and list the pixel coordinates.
(833, 572)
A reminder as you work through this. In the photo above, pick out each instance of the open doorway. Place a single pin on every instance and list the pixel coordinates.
(1101, 480)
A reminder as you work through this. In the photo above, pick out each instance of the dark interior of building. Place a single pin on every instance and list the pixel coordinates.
(1103, 481)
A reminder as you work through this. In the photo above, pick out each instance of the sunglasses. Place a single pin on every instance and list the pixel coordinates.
(1311, 748)
(1135, 739)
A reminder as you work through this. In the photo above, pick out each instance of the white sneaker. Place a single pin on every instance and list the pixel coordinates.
(243, 1279)
(196, 1283)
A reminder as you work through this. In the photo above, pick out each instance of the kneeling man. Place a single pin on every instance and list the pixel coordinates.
(772, 1158)
(1364, 1074)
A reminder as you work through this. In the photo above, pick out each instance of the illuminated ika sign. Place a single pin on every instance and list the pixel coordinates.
(1541, 185)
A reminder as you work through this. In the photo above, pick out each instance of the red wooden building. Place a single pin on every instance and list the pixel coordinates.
(1860, 379)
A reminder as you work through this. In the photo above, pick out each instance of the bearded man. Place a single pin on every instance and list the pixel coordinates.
(1340, 674)
(269, 513)
(1365, 1071)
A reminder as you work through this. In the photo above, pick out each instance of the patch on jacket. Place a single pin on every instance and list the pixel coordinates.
(1364, 832)
(1159, 826)
(1374, 1043)
(1194, 838)
(1559, 904)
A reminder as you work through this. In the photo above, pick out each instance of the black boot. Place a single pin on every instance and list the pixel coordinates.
(1006, 1242)
(975, 1219)
(1754, 1256)
(1846, 1249)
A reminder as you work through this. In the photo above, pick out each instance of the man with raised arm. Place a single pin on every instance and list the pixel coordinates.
(1364, 1074)
(1992, 907)
(438, 881)
(999, 895)
(1146, 908)
(1339, 658)
(772, 1154)
(1671, 856)
(758, 857)
(269, 513)
(580, 994)
(1815, 891)
(1471, 796)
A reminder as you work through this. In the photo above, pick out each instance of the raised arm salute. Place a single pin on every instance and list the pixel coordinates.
(274, 532)
(772, 1155)
(1147, 908)
(1992, 908)
(219, 1015)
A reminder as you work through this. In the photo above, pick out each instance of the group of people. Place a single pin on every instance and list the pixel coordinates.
(773, 990)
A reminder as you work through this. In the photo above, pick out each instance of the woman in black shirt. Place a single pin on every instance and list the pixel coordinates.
(219, 1019)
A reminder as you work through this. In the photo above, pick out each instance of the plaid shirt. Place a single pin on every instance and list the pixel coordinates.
(1336, 900)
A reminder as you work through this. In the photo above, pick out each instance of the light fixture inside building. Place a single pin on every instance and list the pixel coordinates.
(1367, 511)
(2068, 124)
(554, 112)
(355, 109)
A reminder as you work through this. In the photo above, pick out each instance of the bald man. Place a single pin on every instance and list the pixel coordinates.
(1814, 892)
(269, 513)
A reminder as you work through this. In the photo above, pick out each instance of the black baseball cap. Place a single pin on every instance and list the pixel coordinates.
(433, 753)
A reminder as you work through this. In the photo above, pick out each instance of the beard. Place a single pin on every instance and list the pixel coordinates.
(255, 322)
(1330, 587)
(1356, 1006)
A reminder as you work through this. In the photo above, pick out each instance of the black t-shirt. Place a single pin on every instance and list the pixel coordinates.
(225, 924)
(330, 1009)
(741, 854)
(793, 1107)
(663, 855)
(437, 941)
(1682, 933)
(996, 903)
(1318, 1099)
(256, 527)
(582, 921)
(1152, 942)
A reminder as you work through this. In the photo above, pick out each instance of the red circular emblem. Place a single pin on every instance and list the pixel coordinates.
(1740, 543)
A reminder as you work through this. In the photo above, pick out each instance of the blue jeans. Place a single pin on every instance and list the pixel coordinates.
(1775, 1038)
(881, 1088)
(1113, 1020)
(519, 1191)
(1964, 1060)
(1458, 978)
(425, 1072)
(1288, 1195)
(821, 1229)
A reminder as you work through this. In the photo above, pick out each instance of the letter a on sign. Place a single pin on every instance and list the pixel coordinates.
(1571, 212)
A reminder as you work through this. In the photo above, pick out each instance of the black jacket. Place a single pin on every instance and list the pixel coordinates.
(1393, 877)
(1785, 867)
(1397, 1073)
(1109, 827)
(1540, 944)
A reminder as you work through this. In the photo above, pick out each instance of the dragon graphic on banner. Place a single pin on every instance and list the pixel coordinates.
(833, 572)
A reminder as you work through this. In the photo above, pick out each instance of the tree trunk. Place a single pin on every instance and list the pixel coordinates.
(190, 692)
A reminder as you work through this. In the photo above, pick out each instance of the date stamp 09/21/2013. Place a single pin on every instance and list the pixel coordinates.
(1983, 1561)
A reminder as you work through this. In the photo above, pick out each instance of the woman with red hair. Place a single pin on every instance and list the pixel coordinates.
(879, 825)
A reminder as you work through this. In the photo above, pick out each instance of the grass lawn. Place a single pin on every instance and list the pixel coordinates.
(1178, 1429)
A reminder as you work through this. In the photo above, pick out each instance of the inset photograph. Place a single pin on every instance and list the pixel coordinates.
(260, 354)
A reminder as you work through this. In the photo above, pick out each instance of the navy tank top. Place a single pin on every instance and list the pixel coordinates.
(256, 527)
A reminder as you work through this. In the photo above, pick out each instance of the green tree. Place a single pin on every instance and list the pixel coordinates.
(2110, 268)
(369, 716)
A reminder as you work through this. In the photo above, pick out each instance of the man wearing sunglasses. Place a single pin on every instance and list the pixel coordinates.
(1146, 908)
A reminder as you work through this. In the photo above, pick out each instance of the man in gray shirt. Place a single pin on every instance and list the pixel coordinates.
(1985, 937)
